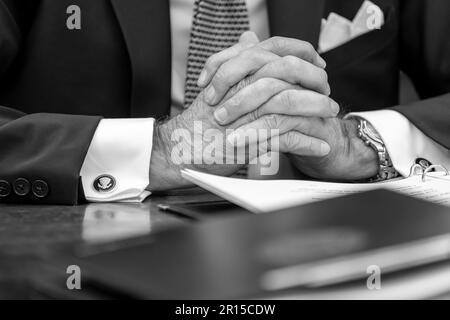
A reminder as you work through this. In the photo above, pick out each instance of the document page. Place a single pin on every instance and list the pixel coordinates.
(270, 195)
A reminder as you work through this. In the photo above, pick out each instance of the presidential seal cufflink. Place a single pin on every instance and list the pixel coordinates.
(104, 183)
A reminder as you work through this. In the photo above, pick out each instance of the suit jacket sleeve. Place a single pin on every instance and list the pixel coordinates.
(47, 148)
(425, 57)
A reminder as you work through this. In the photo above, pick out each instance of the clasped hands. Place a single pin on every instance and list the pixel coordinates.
(279, 84)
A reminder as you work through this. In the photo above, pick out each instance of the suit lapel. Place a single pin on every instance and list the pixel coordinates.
(145, 26)
(300, 19)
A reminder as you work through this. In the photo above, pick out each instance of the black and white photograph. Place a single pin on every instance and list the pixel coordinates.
(231, 158)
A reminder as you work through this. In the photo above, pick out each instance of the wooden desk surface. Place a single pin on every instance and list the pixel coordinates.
(31, 232)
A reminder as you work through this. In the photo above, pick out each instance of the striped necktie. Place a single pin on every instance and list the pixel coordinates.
(217, 25)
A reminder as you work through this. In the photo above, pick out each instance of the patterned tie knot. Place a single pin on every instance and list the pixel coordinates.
(217, 25)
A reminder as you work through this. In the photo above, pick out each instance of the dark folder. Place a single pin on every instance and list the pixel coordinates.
(256, 255)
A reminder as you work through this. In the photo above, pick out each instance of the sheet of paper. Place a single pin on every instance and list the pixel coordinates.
(270, 195)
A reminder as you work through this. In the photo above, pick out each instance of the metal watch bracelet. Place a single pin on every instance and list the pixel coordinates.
(372, 139)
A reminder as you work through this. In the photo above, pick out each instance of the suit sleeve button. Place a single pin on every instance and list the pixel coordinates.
(21, 187)
(40, 188)
(5, 189)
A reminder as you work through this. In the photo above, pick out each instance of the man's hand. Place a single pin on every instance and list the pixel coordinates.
(291, 60)
(350, 158)
(165, 172)
(271, 89)
(289, 109)
(285, 79)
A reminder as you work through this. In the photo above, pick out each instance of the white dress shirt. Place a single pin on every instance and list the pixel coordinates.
(122, 147)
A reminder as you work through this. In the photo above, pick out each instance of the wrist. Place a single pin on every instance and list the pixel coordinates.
(366, 162)
(164, 174)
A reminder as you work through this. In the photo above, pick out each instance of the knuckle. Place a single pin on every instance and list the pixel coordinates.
(323, 76)
(275, 39)
(239, 47)
(233, 104)
(212, 62)
(294, 65)
(292, 139)
(278, 99)
(324, 101)
(271, 121)
(291, 61)
(279, 42)
(309, 48)
(220, 77)
(241, 85)
(244, 54)
(287, 98)
(273, 67)
(316, 75)
(309, 145)
(303, 144)
(263, 84)
(255, 115)
(258, 113)
(247, 54)
(306, 50)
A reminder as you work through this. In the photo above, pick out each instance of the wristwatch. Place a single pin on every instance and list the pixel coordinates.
(372, 139)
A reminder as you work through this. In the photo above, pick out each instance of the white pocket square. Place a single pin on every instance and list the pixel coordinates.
(337, 30)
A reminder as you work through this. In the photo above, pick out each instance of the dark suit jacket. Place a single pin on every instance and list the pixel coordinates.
(56, 84)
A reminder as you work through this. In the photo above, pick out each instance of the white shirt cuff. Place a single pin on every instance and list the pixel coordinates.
(119, 153)
(404, 141)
